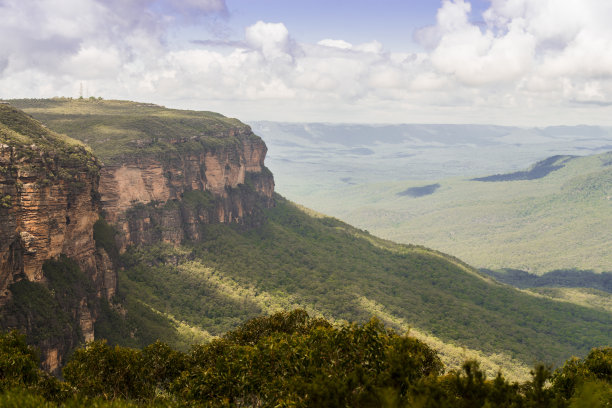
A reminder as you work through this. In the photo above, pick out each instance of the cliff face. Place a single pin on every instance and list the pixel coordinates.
(41, 220)
(152, 199)
(182, 170)
(165, 171)
(48, 205)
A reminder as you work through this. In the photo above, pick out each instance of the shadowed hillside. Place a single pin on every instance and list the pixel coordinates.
(342, 273)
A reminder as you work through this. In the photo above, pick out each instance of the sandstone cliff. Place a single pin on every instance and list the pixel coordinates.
(165, 171)
(152, 199)
(166, 174)
(48, 205)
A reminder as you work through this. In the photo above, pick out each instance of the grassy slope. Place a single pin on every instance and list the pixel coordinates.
(338, 271)
(21, 131)
(587, 297)
(560, 221)
(119, 129)
(31, 139)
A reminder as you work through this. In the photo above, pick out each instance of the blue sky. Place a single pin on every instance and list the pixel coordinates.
(358, 21)
(392, 22)
(515, 62)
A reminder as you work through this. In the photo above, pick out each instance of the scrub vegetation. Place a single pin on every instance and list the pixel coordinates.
(58, 156)
(291, 359)
(344, 274)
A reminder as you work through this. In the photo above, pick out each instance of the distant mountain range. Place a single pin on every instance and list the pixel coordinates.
(315, 157)
(497, 197)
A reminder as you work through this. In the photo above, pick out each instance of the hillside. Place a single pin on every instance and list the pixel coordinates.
(355, 172)
(202, 244)
(553, 216)
(331, 269)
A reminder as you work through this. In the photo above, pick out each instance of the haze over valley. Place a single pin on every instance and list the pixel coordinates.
(331, 156)
(538, 222)
(238, 203)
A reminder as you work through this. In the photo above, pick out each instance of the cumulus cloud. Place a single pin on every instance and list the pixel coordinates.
(271, 39)
(521, 61)
(545, 49)
(373, 47)
(476, 58)
(74, 40)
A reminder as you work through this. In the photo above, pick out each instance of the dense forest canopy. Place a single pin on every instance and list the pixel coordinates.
(294, 259)
(291, 359)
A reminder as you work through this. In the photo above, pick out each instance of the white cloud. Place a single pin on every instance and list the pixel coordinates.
(343, 45)
(272, 39)
(478, 58)
(93, 63)
(553, 52)
(452, 15)
(49, 35)
(525, 61)
(373, 47)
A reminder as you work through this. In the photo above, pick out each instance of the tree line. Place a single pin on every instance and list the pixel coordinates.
(290, 359)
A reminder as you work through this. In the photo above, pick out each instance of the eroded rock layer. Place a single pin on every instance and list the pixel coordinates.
(155, 199)
(49, 202)
(182, 170)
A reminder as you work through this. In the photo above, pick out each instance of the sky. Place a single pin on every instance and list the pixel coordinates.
(506, 62)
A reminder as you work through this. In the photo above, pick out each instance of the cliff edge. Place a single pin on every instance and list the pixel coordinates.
(49, 202)
(165, 171)
(163, 174)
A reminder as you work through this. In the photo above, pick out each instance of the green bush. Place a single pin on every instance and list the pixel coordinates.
(33, 307)
(104, 236)
(575, 373)
(22, 398)
(100, 370)
(18, 361)
(6, 201)
(291, 359)
(198, 199)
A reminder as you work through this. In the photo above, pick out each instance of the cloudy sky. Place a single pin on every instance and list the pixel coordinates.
(519, 62)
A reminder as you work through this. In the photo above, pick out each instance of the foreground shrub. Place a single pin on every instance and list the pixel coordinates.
(108, 372)
(290, 359)
(18, 361)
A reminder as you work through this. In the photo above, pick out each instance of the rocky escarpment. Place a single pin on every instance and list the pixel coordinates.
(165, 171)
(48, 206)
(166, 199)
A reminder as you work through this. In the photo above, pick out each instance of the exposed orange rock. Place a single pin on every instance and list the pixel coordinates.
(105, 275)
(44, 219)
(49, 204)
(147, 199)
(123, 186)
(51, 360)
(220, 171)
(86, 321)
